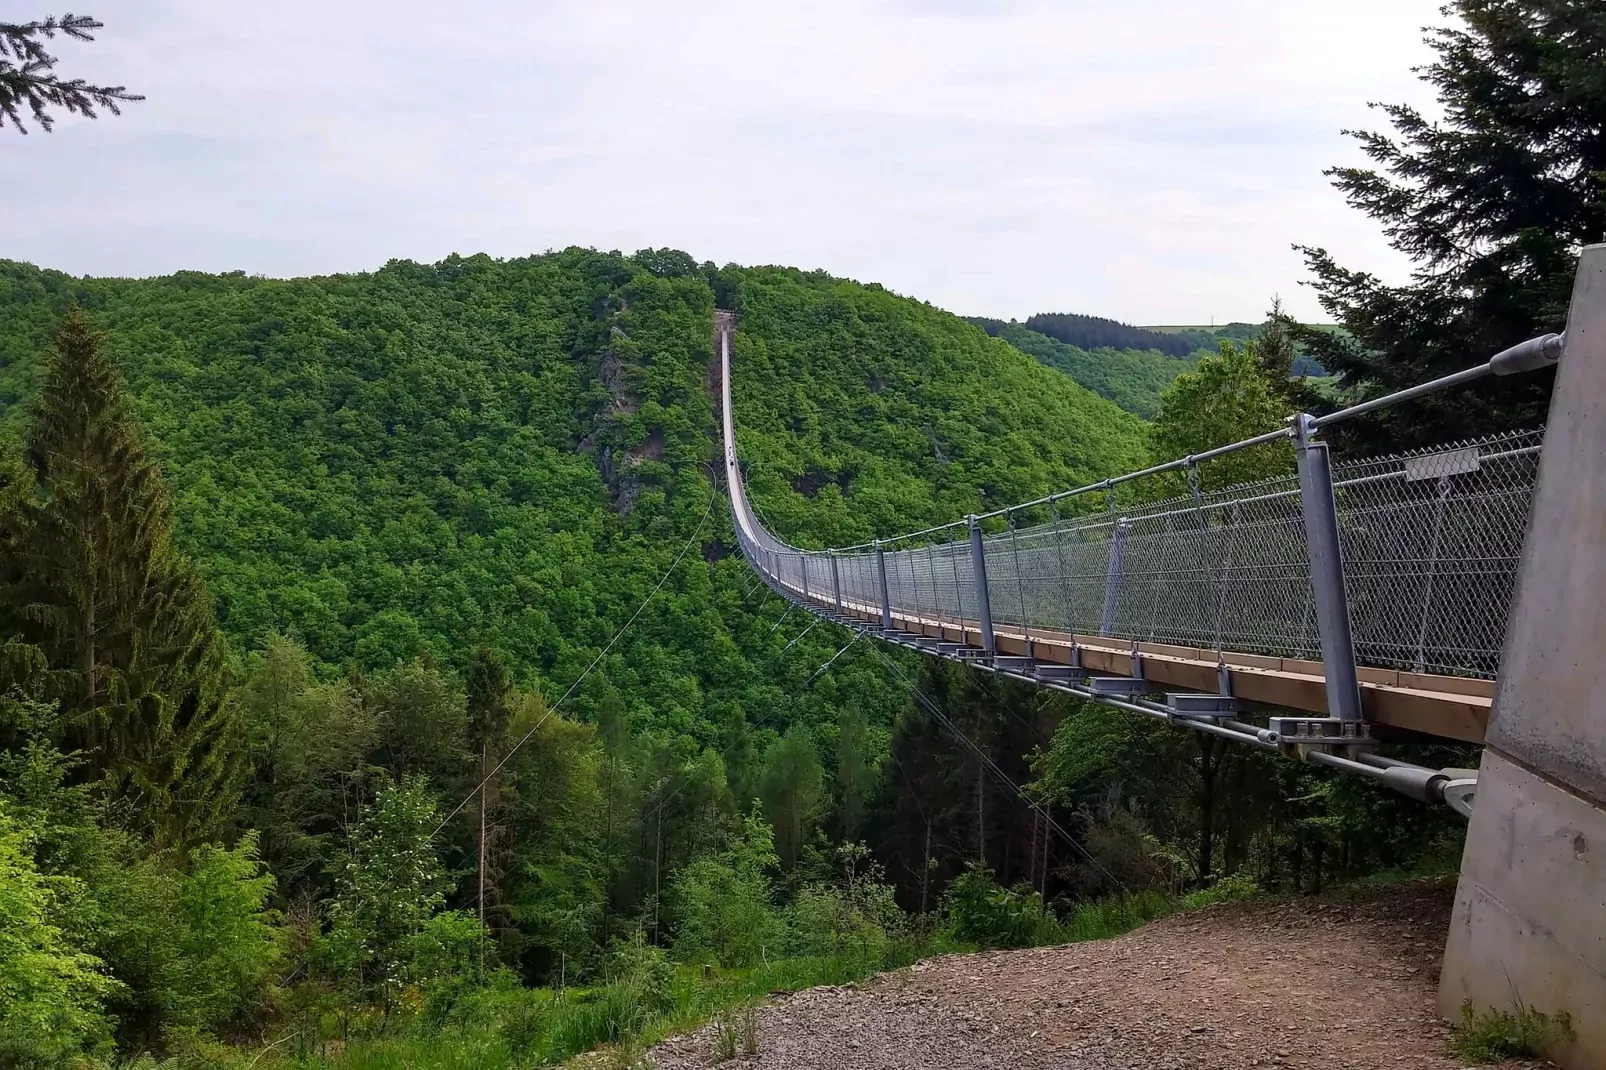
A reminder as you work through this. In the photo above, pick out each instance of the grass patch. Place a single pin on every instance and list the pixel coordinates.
(513, 1028)
(736, 1032)
(1521, 1033)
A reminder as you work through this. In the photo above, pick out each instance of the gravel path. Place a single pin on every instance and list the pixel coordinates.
(1302, 983)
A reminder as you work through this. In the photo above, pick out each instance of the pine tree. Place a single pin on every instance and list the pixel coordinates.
(855, 774)
(20, 662)
(1274, 350)
(121, 621)
(1492, 203)
(28, 78)
(616, 781)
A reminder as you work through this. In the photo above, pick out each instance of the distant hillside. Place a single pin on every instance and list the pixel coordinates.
(1132, 370)
(1202, 337)
(1095, 332)
(1132, 378)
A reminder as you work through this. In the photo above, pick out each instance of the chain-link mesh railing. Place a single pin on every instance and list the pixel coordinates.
(1430, 549)
(1431, 544)
(1221, 551)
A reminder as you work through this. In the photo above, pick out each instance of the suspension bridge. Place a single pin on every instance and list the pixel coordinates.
(1363, 600)
(1318, 609)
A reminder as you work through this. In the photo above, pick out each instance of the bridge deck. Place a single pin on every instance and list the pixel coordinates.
(1453, 707)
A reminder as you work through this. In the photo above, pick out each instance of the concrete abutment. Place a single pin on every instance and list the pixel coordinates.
(1530, 911)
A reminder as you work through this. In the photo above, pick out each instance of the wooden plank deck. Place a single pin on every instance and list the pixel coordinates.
(1451, 707)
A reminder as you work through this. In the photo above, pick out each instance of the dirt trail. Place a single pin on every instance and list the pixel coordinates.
(1306, 983)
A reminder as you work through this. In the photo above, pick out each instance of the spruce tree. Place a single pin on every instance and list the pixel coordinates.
(121, 621)
(1492, 202)
(28, 78)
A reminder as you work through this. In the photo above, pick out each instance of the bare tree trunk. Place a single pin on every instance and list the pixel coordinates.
(89, 656)
(1209, 762)
(981, 813)
(484, 747)
(1031, 865)
(1047, 827)
(925, 870)
(657, 866)
(607, 842)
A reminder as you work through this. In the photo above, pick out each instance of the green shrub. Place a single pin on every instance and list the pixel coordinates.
(645, 971)
(445, 960)
(1227, 889)
(229, 950)
(1522, 1033)
(825, 922)
(723, 902)
(50, 992)
(982, 913)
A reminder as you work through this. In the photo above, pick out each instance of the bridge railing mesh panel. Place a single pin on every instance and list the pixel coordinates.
(1431, 547)
(1431, 543)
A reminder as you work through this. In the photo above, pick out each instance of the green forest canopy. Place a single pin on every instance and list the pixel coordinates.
(429, 456)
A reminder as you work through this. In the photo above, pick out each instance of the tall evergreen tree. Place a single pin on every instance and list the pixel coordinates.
(1492, 202)
(619, 805)
(120, 620)
(20, 662)
(855, 774)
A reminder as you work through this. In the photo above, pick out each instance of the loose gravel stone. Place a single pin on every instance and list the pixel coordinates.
(1291, 984)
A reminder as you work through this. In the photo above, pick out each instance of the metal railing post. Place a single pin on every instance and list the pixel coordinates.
(1114, 572)
(836, 583)
(1320, 512)
(978, 572)
(803, 572)
(881, 582)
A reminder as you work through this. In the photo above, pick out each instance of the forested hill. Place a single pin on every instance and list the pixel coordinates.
(1132, 378)
(1131, 366)
(427, 457)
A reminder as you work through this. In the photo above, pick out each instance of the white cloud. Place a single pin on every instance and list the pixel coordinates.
(1148, 159)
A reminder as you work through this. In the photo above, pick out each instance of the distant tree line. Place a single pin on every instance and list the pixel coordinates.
(1095, 332)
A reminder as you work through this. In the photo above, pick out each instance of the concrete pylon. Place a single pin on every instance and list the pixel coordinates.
(1530, 909)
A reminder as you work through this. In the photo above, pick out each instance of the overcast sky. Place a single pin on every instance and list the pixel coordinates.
(1150, 160)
